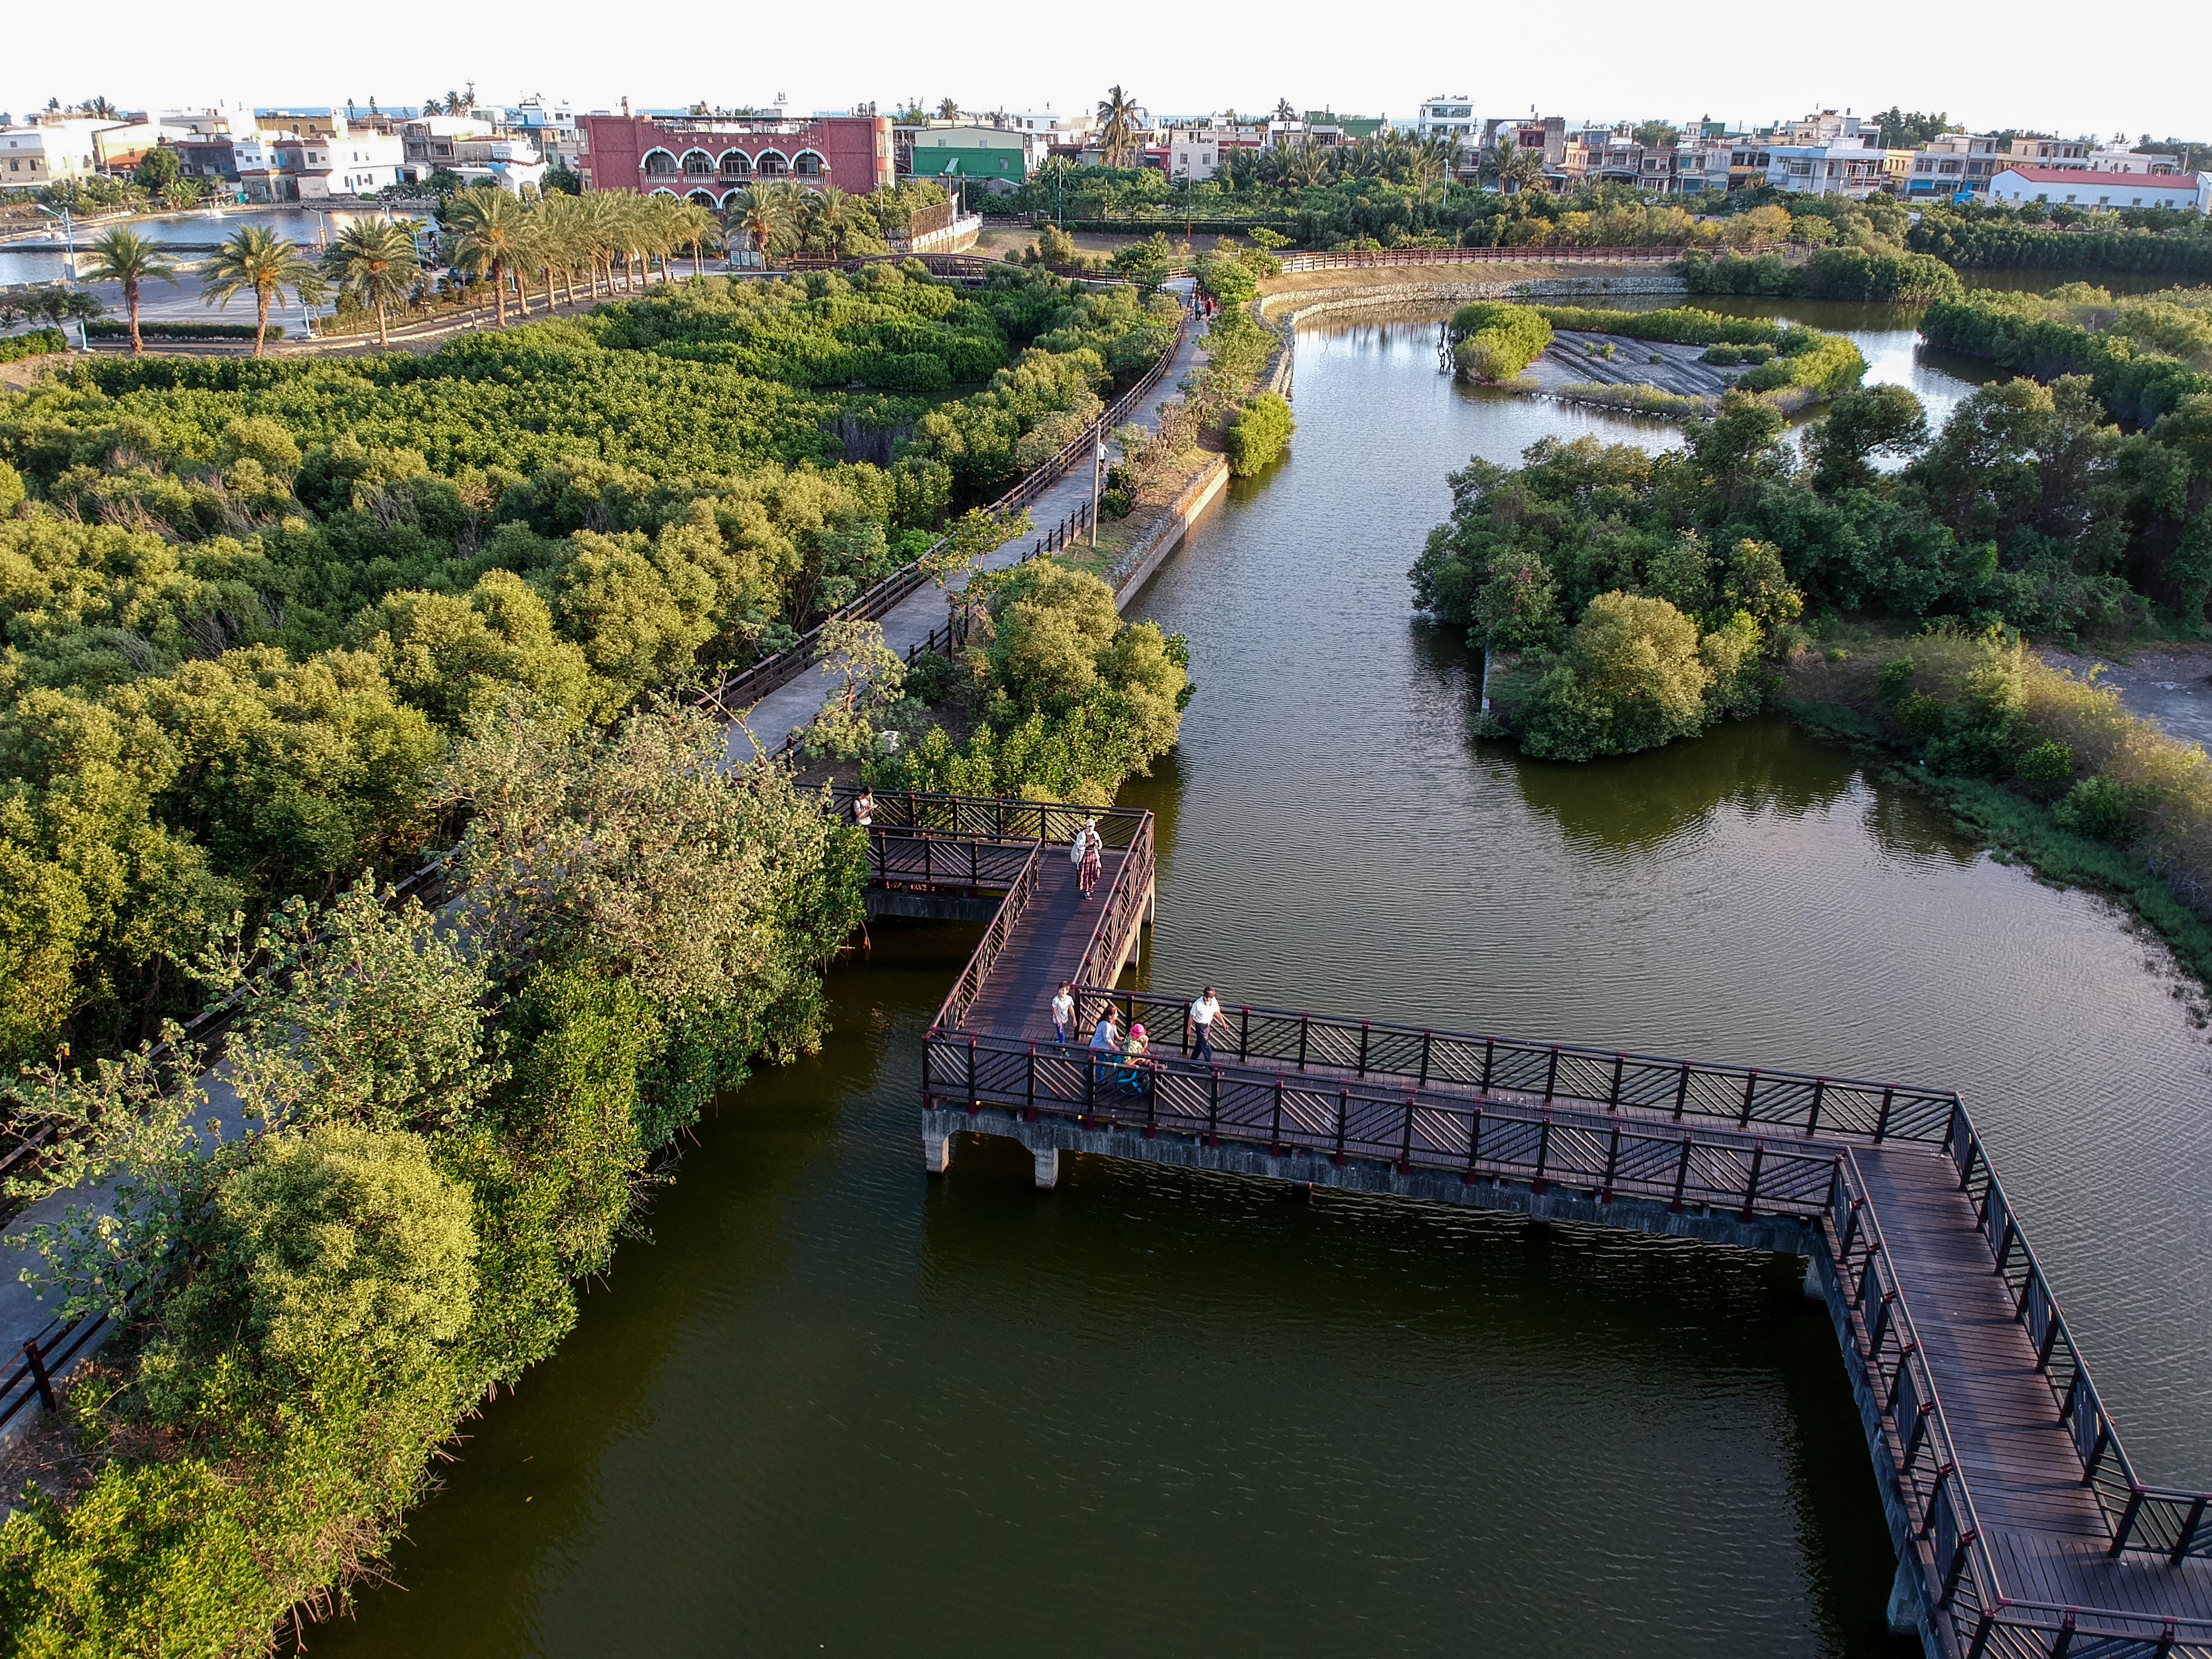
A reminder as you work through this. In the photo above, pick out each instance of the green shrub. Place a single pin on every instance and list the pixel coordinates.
(1495, 340)
(2100, 807)
(1256, 434)
(161, 329)
(2046, 770)
(37, 343)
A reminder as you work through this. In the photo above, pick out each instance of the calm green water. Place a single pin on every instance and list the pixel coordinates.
(833, 1407)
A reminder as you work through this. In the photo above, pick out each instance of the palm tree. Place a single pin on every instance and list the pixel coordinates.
(1117, 127)
(489, 227)
(255, 259)
(562, 241)
(123, 257)
(758, 213)
(827, 220)
(697, 228)
(1283, 111)
(376, 260)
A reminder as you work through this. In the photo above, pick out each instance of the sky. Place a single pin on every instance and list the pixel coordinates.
(2032, 66)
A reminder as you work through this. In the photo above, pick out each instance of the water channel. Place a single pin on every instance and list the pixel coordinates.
(832, 1406)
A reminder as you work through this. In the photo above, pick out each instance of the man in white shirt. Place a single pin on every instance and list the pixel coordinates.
(1105, 1041)
(1063, 1013)
(1203, 1013)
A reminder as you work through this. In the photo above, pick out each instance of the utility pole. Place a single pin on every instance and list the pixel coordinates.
(1097, 464)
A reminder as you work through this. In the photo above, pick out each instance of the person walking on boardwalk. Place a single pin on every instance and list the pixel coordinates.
(1105, 1042)
(1203, 1013)
(1094, 849)
(864, 808)
(1063, 1013)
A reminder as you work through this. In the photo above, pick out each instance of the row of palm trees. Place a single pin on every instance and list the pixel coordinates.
(553, 241)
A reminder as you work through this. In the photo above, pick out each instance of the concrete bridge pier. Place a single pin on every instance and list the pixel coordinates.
(1904, 1609)
(1047, 1167)
(936, 1151)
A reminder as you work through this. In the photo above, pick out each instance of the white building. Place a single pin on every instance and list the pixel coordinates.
(2117, 192)
(2127, 160)
(1054, 129)
(1954, 164)
(283, 168)
(43, 153)
(1451, 112)
(1851, 168)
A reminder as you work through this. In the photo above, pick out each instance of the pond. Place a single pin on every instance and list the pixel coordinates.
(831, 1405)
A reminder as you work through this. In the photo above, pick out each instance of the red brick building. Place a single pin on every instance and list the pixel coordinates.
(706, 158)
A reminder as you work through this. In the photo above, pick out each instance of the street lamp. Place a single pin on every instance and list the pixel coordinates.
(68, 265)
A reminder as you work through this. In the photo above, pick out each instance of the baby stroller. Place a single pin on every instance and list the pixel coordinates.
(1132, 1079)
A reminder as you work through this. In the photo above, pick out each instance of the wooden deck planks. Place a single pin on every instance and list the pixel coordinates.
(1046, 945)
(2043, 1527)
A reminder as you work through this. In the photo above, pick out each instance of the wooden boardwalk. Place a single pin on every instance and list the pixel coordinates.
(2020, 1527)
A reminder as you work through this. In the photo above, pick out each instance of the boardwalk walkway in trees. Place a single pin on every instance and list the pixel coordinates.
(2020, 1526)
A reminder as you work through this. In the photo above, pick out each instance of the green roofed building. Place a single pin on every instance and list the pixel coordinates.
(999, 157)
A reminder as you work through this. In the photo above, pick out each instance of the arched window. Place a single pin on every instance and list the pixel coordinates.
(698, 163)
(808, 164)
(735, 164)
(665, 190)
(770, 164)
(728, 197)
(659, 164)
(705, 198)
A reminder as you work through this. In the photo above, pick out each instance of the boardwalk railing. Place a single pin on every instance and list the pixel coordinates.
(1128, 899)
(1969, 1587)
(1748, 1096)
(2145, 1520)
(969, 985)
(992, 818)
(740, 689)
(924, 858)
(1606, 1155)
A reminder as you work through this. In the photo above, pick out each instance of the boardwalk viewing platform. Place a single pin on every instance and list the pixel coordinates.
(2020, 1525)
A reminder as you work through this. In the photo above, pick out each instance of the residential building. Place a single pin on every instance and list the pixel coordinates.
(119, 148)
(278, 166)
(709, 158)
(47, 151)
(210, 159)
(2034, 150)
(2129, 160)
(472, 150)
(1452, 113)
(999, 157)
(1830, 155)
(1954, 164)
(1192, 152)
(303, 120)
(428, 141)
(1054, 128)
(2104, 189)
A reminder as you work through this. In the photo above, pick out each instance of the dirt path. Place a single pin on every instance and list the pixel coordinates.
(2170, 684)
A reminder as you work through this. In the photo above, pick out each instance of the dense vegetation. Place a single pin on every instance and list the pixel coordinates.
(2157, 242)
(1829, 273)
(250, 604)
(2029, 510)
(1495, 340)
(437, 1132)
(2145, 357)
(1061, 699)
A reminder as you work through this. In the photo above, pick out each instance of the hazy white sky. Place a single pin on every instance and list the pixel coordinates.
(2034, 65)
